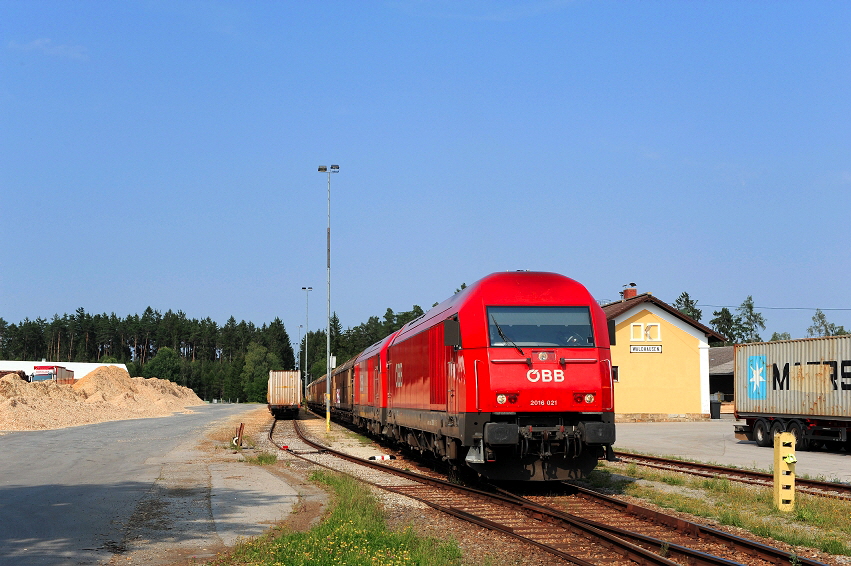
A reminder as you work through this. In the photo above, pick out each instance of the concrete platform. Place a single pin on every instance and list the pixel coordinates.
(246, 500)
(713, 442)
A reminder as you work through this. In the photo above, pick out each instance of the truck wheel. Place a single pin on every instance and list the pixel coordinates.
(797, 429)
(760, 434)
(776, 428)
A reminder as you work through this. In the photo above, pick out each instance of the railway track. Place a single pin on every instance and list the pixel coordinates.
(590, 535)
(685, 541)
(811, 487)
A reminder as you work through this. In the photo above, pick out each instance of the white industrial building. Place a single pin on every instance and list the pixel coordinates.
(80, 369)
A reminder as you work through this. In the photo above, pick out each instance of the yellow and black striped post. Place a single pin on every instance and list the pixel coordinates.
(784, 471)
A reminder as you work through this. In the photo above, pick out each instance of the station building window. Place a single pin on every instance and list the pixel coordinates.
(645, 332)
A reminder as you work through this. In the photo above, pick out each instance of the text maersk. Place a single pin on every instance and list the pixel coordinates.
(839, 374)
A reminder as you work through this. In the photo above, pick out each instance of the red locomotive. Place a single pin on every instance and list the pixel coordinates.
(511, 376)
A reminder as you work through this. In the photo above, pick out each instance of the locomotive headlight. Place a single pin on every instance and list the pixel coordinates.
(501, 399)
(589, 398)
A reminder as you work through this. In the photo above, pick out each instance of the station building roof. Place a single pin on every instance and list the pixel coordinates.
(614, 310)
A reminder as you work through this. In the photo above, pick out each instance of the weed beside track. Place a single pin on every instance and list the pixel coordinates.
(353, 533)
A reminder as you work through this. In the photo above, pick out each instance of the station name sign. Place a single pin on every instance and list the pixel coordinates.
(645, 349)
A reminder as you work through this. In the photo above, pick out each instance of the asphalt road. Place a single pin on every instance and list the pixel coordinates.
(714, 442)
(79, 495)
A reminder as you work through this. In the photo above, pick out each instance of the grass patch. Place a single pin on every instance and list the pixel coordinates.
(262, 459)
(673, 480)
(360, 438)
(353, 533)
(602, 478)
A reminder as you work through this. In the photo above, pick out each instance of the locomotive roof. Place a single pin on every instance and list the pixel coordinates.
(372, 350)
(504, 288)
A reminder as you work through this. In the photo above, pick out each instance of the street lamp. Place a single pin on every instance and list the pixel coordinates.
(306, 330)
(332, 169)
(298, 347)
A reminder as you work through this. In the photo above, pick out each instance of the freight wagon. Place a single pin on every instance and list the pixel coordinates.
(284, 393)
(58, 374)
(797, 386)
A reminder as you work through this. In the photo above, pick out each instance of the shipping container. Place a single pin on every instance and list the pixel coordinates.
(58, 374)
(797, 386)
(284, 393)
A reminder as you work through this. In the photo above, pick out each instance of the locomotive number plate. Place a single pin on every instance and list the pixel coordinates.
(544, 402)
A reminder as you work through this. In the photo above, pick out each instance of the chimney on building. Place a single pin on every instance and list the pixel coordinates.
(629, 291)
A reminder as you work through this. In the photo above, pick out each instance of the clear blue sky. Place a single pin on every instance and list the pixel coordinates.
(165, 153)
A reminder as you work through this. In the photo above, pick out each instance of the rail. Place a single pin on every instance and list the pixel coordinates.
(813, 487)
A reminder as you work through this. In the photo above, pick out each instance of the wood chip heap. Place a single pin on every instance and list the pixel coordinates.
(106, 394)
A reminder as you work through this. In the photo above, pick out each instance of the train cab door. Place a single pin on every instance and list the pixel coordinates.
(452, 343)
(376, 383)
(451, 384)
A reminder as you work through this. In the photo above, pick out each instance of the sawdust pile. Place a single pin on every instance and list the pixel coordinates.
(106, 394)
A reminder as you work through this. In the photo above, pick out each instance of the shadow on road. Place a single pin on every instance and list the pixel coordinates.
(88, 524)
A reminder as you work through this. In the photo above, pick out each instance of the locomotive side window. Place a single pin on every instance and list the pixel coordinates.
(562, 327)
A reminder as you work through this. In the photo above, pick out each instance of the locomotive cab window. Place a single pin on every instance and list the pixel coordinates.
(556, 327)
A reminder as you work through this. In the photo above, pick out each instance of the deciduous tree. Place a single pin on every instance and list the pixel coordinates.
(165, 365)
(255, 371)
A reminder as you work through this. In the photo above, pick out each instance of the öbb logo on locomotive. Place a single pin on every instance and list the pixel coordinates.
(545, 375)
(511, 376)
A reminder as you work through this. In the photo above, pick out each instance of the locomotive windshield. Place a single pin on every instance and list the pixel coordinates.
(557, 327)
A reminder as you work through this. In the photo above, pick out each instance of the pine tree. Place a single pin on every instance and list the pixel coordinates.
(688, 307)
(751, 321)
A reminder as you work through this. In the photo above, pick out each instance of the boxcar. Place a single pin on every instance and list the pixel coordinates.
(284, 393)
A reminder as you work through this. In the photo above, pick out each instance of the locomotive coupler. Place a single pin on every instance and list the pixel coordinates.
(545, 450)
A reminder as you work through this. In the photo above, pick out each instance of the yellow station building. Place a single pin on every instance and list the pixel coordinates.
(662, 360)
